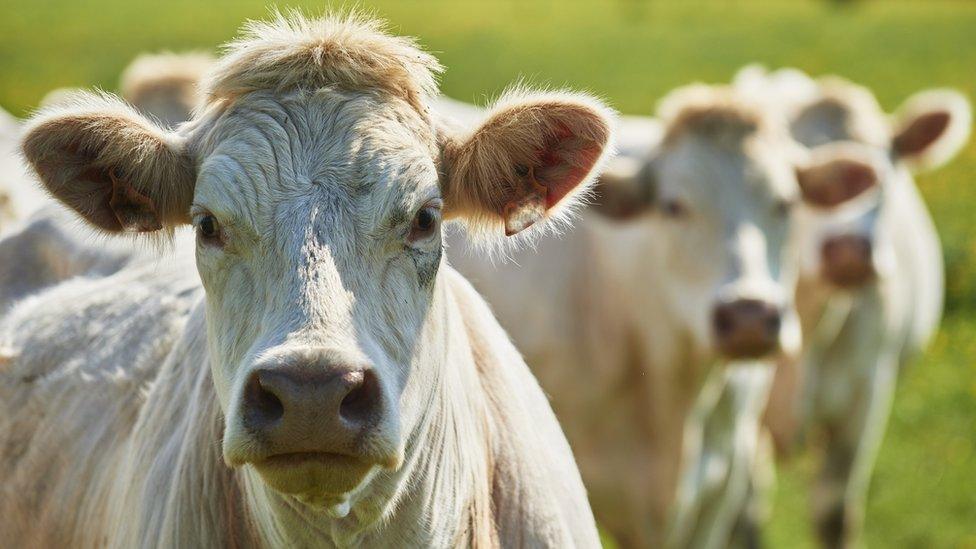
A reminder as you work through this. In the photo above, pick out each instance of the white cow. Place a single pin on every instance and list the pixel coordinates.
(731, 468)
(166, 85)
(359, 389)
(17, 199)
(633, 316)
(51, 246)
(44, 245)
(871, 285)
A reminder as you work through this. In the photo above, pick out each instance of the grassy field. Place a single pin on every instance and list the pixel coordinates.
(632, 52)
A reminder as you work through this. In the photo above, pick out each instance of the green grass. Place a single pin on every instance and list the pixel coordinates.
(631, 52)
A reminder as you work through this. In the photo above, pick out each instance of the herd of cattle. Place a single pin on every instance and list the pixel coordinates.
(750, 271)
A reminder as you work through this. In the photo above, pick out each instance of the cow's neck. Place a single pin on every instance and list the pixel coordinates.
(440, 496)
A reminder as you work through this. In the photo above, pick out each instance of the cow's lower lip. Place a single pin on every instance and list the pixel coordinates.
(851, 280)
(303, 458)
(318, 476)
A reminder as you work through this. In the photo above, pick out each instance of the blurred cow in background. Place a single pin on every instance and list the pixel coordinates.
(43, 245)
(166, 85)
(871, 286)
(18, 196)
(685, 262)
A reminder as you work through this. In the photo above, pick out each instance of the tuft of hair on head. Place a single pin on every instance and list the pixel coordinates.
(349, 51)
(577, 146)
(166, 80)
(783, 89)
(716, 112)
(842, 111)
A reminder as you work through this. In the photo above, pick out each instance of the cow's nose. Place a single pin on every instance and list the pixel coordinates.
(847, 260)
(312, 407)
(746, 328)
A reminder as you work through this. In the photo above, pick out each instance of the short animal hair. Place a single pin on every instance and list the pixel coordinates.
(180, 73)
(846, 111)
(346, 51)
(719, 113)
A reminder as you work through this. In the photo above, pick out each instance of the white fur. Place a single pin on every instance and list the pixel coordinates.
(19, 195)
(314, 175)
(857, 339)
(614, 317)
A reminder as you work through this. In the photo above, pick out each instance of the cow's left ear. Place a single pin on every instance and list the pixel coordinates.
(930, 128)
(530, 159)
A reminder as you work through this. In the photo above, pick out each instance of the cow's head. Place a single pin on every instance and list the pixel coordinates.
(718, 193)
(317, 184)
(166, 85)
(848, 247)
(838, 220)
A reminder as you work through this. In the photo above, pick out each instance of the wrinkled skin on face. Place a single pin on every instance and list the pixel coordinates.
(280, 262)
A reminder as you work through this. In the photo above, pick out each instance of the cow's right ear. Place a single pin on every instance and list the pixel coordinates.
(625, 189)
(118, 170)
(838, 172)
(930, 128)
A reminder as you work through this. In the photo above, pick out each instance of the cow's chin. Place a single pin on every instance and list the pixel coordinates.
(321, 480)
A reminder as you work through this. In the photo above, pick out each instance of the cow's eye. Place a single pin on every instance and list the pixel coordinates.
(673, 208)
(426, 222)
(208, 229)
(783, 207)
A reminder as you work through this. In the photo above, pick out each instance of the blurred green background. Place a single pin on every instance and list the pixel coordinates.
(632, 52)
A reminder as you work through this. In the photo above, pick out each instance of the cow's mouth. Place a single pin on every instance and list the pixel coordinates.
(294, 459)
(851, 275)
(320, 479)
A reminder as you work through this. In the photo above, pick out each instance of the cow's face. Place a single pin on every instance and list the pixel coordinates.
(318, 242)
(849, 247)
(318, 218)
(724, 206)
(841, 219)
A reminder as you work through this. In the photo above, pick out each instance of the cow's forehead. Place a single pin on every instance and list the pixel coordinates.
(370, 154)
(716, 170)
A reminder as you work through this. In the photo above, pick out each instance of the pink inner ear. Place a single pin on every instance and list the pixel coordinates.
(832, 185)
(921, 133)
(564, 163)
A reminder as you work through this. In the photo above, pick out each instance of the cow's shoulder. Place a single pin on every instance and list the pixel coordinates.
(106, 330)
(551, 510)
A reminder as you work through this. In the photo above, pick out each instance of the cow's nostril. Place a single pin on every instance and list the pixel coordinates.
(773, 322)
(724, 323)
(261, 406)
(363, 401)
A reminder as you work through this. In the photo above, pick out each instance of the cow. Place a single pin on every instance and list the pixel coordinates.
(684, 263)
(17, 200)
(728, 482)
(324, 378)
(166, 85)
(871, 285)
(44, 246)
